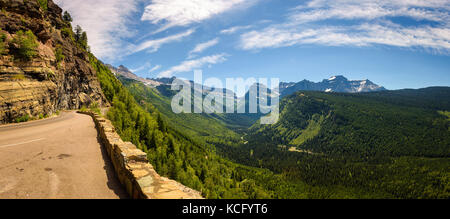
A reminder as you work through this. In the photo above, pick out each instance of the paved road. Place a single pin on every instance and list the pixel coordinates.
(55, 158)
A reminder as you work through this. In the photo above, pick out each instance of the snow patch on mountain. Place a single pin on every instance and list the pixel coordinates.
(339, 84)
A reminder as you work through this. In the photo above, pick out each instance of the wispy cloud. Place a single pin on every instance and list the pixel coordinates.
(372, 24)
(171, 13)
(141, 68)
(146, 68)
(154, 44)
(235, 29)
(155, 68)
(105, 21)
(190, 65)
(317, 10)
(361, 35)
(203, 46)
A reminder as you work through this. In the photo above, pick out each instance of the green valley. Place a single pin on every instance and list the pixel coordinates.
(209, 127)
(390, 144)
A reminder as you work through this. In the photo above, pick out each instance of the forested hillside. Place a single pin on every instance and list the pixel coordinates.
(176, 155)
(254, 181)
(391, 144)
(387, 144)
(202, 127)
(401, 123)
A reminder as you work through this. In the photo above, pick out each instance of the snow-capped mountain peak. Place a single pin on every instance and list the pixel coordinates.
(337, 83)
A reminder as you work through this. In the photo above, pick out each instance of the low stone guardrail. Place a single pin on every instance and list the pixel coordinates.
(134, 171)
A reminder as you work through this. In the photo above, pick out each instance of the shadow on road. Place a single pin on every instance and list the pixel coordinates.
(113, 180)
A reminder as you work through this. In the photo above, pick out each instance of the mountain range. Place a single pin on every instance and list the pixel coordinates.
(323, 148)
(337, 84)
(125, 72)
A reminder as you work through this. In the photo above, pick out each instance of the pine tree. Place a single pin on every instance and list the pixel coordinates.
(78, 33)
(161, 123)
(83, 41)
(67, 17)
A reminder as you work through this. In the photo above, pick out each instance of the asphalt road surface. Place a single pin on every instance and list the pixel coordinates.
(56, 158)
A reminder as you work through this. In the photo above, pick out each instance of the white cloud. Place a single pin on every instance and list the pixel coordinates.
(147, 66)
(171, 13)
(317, 10)
(155, 44)
(190, 65)
(371, 25)
(361, 35)
(274, 37)
(155, 68)
(234, 29)
(203, 46)
(105, 21)
(141, 68)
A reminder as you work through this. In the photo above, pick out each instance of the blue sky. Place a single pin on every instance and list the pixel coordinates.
(395, 43)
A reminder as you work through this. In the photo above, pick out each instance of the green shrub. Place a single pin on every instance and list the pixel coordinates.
(83, 109)
(43, 116)
(95, 108)
(2, 36)
(27, 44)
(59, 55)
(24, 22)
(43, 4)
(2, 43)
(67, 32)
(2, 48)
(24, 118)
(19, 77)
(5, 12)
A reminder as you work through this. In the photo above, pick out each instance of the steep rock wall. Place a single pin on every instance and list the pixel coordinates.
(43, 85)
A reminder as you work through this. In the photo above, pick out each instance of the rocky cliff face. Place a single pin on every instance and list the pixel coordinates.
(125, 72)
(57, 77)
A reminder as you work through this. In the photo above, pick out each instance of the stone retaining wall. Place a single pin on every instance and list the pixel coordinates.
(134, 171)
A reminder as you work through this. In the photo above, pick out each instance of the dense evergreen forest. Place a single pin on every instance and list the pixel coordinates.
(201, 127)
(392, 144)
(389, 144)
(174, 153)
